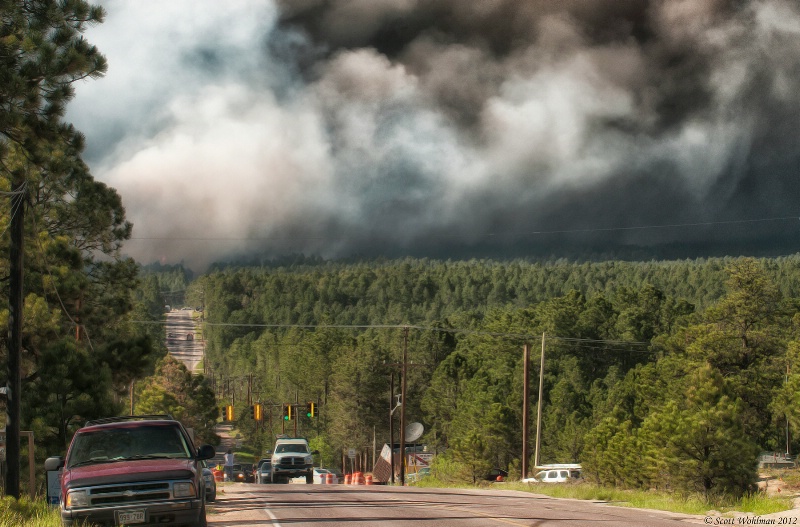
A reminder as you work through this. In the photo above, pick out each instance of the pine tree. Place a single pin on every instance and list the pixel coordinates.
(699, 441)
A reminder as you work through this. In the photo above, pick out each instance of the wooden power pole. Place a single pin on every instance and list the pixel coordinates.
(15, 300)
(403, 410)
(526, 366)
(539, 410)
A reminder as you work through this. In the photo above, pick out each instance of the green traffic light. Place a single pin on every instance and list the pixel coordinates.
(308, 414)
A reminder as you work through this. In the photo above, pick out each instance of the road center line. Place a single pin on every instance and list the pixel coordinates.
(483, 514)
(272, 517)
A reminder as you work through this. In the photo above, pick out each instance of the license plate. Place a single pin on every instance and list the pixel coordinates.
(130, 517)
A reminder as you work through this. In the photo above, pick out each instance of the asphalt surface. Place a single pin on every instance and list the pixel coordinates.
(184, 341)
(300, 505)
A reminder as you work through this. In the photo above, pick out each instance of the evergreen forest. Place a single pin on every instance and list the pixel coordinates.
(663, 374)
(669, 375)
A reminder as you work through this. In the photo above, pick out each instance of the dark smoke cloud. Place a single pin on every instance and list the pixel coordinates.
(453, 128)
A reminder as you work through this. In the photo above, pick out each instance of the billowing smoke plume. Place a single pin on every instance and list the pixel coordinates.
(449, 127)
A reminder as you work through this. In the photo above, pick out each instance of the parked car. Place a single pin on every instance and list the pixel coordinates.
(211, 483)
(263, 473)
(321, 474)
(494, 473)
(562, 473)
(114, 466)
(552, 476)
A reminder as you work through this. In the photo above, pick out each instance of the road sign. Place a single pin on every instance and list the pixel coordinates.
(422, 459)
(351, 453)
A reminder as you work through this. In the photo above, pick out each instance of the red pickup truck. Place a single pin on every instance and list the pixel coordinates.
(137, 470)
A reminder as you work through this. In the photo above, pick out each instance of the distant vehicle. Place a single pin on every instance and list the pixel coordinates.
(263, 471)
(321, 475)
(243, 473)
(211, 483)
(559, 473)
(292, 458)
(492, 474)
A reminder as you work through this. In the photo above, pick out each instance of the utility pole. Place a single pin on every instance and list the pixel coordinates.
(526, 365)
(15, 301)
(391, 423)
(403, 410)
(539, 409)
(788, 441)
(249, 389)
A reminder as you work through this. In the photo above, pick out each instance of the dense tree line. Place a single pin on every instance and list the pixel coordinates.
(657, 374)
(86, 334)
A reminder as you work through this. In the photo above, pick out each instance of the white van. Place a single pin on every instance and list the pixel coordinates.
(552, 476)
(560, 473)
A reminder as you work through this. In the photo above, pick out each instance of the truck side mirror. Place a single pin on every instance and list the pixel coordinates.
(54, 463)
(206, 452)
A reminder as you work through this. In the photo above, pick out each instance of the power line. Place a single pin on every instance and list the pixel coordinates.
(14, 192)
(586, 343)
(491, 234)
(16, 204)
(42, 255)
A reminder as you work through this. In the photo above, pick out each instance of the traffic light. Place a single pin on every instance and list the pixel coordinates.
(287, 412)
(229, 412)
(257, 412)
(311, 410)
(222, 412)
(253, 412)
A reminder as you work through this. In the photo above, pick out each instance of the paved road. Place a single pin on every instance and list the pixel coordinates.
(339, 506)
(182, 343)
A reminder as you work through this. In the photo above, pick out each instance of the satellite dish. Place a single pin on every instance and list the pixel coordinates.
(414, 432)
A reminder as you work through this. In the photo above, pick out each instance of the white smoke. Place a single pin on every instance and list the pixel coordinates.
(358, 127)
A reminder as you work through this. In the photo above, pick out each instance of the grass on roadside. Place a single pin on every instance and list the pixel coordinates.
(27, 513)
(758, 503)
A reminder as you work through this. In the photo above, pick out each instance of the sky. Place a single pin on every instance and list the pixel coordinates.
(448, 128)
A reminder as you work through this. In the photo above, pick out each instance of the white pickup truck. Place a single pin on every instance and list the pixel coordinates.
(292, 458)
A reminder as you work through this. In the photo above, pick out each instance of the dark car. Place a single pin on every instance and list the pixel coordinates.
(249, 470)
(211, 483)
(243, 473)
(493, 474)
(129, 470)
(263, 472)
